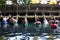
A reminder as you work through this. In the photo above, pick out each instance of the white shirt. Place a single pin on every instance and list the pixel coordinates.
(5, 19)
(45, 21)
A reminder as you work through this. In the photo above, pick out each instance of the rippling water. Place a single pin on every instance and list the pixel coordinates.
(31, 29)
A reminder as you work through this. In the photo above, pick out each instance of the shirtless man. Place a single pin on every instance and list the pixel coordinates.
(37, 25)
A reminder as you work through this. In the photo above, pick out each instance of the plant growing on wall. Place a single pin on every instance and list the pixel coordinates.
(27, 2)
(2, 4)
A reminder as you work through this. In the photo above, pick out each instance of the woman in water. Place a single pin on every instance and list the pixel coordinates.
(37, 25)
(25, 24)
(5, 23)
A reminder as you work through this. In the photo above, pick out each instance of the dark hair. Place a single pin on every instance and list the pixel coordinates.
(37, 19)
(53, 22)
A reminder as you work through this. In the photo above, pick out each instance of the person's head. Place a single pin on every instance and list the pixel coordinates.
(4, 16)
(37, 19)
(53, 22)
(57, 18)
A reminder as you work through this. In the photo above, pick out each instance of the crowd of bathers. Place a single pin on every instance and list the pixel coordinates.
(11, 22)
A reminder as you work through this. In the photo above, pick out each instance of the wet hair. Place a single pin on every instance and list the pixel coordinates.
(53, 22)
(37, 19)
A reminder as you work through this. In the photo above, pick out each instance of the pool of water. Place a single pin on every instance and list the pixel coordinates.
(30, 29)
(21, 34)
